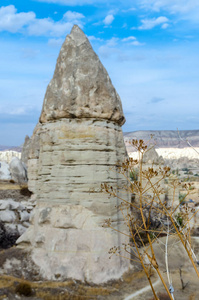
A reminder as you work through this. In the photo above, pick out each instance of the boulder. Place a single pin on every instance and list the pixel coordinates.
(18, 170)
(151, 157)
(4, 171)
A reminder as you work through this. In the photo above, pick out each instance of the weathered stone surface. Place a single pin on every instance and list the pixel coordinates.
(7, 216)
(18, 170)
(25, 150)
(81, 87)
(152, 157)
(77, 145)
(14, 216)
(33, 159)
(4, 171)
(10, 204)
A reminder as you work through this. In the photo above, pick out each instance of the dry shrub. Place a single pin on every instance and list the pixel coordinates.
(25, 191)
(24, 288)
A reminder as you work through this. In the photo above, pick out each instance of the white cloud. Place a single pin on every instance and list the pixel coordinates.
(151, 23)
(132, 41)
(112, 42)
(108, 20)
(74, 2)
(116, 47)
(130, 38)
(109, 48)
(173, 6)
(165, 26)
(93, 38)
(129, 10)
(14, 22)
(185, 9)
(48, 27)
(73, 16)
(17, 110)
(136, 43)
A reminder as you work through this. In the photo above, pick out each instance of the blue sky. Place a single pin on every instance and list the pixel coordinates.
(150, 49)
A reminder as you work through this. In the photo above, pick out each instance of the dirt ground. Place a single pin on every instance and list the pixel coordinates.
(11, 190)
(117, 290)
(73, 290)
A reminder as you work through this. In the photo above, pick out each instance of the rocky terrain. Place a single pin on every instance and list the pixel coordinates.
(15, 210)
(165, 138)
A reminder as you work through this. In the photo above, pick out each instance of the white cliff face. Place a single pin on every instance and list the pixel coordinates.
(8, 155)
(77, 145)
(174, 153)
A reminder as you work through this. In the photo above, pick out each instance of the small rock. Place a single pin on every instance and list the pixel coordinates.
(24, 216)
(7, 216)
(4, 171)
(21, 229)
(18, 170)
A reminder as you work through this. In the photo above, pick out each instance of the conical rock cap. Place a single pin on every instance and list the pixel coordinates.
(80, 87)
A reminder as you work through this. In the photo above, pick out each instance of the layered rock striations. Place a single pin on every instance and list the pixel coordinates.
(78, 145)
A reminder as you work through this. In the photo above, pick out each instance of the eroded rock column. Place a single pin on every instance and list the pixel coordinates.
(80, 146)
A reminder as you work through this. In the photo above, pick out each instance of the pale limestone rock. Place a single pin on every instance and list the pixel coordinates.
(77, 145)
(7, 216)
(24, 216)
(151, 157)
(25, 150)
(4, 171)
(8, 155)
(18, 170)
(21, 229)
(81, 87)
(33, 159)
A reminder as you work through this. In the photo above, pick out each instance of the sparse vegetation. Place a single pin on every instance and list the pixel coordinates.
(24, 288)
(134, 174)
(25, 191)
(182, 198)
(149, 207)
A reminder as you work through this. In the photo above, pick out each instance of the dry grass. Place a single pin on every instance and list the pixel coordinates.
(134, 276)
(192, 296)
(53, 290)
(9, 186)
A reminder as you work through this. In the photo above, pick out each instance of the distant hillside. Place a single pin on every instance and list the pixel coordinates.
(166, 138)
(14, 148)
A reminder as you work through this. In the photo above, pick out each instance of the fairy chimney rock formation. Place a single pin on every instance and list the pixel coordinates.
(81, 87)
(80, 146)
